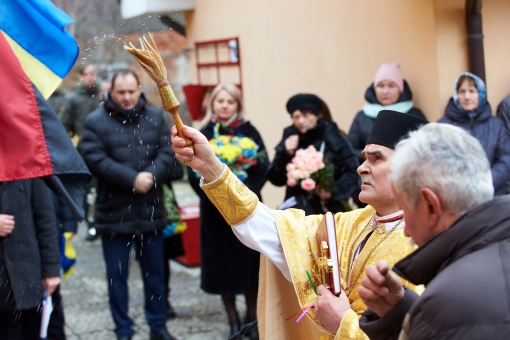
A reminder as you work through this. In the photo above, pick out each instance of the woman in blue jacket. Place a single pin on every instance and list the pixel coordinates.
(470, 110)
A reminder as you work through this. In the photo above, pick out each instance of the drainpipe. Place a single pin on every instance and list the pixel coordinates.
(475, 37)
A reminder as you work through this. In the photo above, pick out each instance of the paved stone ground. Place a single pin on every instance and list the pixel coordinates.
(200, 315)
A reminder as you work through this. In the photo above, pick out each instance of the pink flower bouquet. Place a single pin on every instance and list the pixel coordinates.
(308, 168)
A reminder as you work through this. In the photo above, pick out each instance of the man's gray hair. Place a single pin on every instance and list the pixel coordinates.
(447, 160)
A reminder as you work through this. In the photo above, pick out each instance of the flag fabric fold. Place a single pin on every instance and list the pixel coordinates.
(36, 54)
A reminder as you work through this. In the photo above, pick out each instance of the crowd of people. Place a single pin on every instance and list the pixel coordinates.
(393, 176)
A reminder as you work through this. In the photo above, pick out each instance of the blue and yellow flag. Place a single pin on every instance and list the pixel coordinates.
(67, 254)
(35, 30)
(36, 53)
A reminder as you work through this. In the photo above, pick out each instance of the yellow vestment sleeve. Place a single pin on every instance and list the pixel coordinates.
(349, 328)
(231, 197)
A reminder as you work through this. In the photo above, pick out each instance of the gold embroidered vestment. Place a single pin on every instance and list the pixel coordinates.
(297, 234)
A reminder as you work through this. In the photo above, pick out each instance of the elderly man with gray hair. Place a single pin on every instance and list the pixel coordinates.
(441, 178)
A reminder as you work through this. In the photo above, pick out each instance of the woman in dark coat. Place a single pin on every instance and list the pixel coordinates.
(310, 129)
(470, 110)
(389, 91)
(229, 267)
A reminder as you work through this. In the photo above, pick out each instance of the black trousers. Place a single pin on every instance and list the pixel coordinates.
(57, 320)
(20, 325)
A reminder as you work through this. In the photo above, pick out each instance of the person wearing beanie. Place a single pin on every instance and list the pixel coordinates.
(392, 74)
(304, 102)
(389, 91)
(310, 129)
(469, 109)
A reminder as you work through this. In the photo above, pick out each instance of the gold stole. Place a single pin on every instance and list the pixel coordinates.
(297, 234)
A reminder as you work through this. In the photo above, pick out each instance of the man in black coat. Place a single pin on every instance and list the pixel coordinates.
(82, 101)
(29, 254)
(126, 145)
(442, 181)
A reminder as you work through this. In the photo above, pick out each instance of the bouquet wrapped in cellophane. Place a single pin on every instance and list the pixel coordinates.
(239, 152)
(308, 168)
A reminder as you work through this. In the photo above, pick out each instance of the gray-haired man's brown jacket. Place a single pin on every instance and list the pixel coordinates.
(466, 271)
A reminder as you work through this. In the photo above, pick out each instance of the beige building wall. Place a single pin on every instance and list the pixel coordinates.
(452, 58)
(334, 47)
(496, 27)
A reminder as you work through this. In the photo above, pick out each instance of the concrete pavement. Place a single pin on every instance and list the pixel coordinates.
(200, 315)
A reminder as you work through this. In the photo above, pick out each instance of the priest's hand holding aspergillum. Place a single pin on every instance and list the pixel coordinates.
(201, 157)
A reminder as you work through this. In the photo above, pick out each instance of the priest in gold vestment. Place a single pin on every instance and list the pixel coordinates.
(288, 238)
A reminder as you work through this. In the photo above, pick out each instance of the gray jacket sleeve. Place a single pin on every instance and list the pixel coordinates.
(388, 327)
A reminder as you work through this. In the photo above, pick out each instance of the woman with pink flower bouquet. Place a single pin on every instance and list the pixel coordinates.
(314, 160)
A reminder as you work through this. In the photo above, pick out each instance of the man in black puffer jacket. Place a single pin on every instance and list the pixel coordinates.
(126, 145)
(442, 181)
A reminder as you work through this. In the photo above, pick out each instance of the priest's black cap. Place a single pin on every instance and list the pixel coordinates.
(304, 101)
(391, 126)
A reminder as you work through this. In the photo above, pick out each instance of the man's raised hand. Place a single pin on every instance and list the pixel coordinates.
(201, 157)
(381, 289)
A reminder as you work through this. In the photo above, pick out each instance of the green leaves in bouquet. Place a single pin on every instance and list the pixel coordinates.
(261, 156)
(172, 210)
(325, 177)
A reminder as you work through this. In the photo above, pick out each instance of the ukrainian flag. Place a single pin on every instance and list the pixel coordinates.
(35, 54)
(67, 254)
(35, 31)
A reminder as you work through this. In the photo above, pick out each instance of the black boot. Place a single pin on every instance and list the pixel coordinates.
(161, 335)
(235, 326)
(254, 333)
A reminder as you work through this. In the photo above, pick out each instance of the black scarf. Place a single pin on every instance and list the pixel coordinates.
(113, 108)
(312, 135)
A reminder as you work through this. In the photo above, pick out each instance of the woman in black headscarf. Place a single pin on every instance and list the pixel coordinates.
(309, 128)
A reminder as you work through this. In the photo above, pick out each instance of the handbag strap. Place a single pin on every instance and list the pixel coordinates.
(323, 145)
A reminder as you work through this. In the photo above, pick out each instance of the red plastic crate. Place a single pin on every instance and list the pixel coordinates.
(191, 236)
